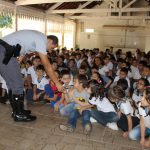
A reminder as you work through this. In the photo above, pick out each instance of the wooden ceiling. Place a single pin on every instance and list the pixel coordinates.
(78, 9)
(65, 5)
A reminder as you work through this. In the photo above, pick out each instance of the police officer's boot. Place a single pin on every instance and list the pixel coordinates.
(19, 113)
(27, 112)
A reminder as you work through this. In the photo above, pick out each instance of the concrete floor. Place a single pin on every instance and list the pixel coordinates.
(44, 134)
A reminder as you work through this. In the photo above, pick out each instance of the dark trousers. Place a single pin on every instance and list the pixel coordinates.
(123, 122)
(11, 73)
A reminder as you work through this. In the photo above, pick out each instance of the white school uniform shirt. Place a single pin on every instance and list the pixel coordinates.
(32, 72)
(135, 73)
(103, 105)
(125, 107)
(41, 84)
(30, 41)
(136, 98)
(110, 65)
(117, 78)
(143, 111)
(103, 70)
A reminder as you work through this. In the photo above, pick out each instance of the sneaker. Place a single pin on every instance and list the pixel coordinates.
(66, 128)
(112, 126)
(92, 120)
(87, 128)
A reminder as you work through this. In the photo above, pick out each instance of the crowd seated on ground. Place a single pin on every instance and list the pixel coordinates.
(117, 83)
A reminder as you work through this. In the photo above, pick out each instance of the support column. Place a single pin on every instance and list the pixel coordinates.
(120, 6)
(16, 18)
(45, 21)
(63, 31)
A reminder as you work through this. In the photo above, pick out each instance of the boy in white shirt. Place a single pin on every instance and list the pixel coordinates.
(123, 75)
(109, 65)
(24, 71)
(135, 71)
(39, 85)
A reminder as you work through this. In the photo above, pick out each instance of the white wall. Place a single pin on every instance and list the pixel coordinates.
(129, 38)
(90, 40)
(125, 38)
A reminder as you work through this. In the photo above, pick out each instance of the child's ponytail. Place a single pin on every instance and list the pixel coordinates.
(97, 89)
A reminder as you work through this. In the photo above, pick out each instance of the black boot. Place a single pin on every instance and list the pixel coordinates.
(27, 112)
(19, 114)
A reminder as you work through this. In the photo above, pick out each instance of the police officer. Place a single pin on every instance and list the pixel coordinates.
(21, 43)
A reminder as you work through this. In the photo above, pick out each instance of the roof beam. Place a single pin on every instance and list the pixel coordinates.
(80, 7)
(129, 4)
(55, 6)
(29, 2)
(141, 9)
(120, 6)
(111, 17)
(84, 5)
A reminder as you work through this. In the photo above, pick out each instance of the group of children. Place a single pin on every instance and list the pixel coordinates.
(109, 88)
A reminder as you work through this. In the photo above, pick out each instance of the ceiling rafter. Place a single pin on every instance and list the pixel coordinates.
(80, 7)
(110, 17)
(129, 4)
(141, 9)
(54, 6)
(29, 2)
(84, 5)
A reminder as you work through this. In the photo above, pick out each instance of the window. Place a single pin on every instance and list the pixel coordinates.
(31, 23)
(69, 35)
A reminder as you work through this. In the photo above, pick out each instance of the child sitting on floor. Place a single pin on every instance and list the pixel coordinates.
(139, 91)
(65, 78)
(52, 94)
(125, 111)
(105, 113)
(142, 131)
(122, 75)
(80, 95)
(39, 85)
